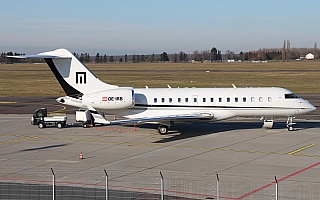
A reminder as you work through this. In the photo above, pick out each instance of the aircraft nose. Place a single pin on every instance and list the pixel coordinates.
(313, 108)
(310, 107)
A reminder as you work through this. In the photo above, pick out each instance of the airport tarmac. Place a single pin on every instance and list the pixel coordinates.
(241, 152)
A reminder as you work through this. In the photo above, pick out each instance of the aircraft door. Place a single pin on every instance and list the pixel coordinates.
(195, 100)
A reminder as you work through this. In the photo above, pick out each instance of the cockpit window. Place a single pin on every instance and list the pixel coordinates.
(291, 96)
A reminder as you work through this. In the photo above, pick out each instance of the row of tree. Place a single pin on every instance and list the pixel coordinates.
(164, 57)
(213, 55)
(4, 59)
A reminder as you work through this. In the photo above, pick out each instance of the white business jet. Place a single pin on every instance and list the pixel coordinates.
(165, 106)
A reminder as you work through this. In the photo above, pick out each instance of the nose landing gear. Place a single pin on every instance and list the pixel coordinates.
(290, 123)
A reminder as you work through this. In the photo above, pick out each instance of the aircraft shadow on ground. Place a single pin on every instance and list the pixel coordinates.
(184, 131)
(45, 147)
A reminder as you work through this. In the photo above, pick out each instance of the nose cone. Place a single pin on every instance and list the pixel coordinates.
(310, 107)
(313, 108)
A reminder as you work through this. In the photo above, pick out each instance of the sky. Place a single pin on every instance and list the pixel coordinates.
(121, 27)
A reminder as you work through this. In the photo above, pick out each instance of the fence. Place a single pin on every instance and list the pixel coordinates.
(166, 185)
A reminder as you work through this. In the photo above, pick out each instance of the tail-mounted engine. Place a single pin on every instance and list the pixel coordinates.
(110, 99)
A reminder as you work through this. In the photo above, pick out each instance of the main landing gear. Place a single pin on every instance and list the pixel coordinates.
(290, 123)
(267, 122)
(163, 129)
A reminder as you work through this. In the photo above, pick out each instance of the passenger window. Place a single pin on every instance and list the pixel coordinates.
(260, 99)
(212, 100)
(269, 99)
(204, 100)
(155, 100)
(244, 99)
(162, 100)
(236, 99)
(220, 99)
(252, 99)
(179, 100)
(186, 100)
(195, 100)
(170, 100)
(228, 99)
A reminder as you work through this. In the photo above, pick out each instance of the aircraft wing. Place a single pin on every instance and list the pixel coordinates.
(158, 119)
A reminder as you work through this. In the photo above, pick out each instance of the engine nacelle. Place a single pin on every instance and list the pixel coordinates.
(110, 99)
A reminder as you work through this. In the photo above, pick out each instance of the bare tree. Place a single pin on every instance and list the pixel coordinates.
(315, 50)
(205, 55)
(288, 51)
(229, 55)
(284, 51)
(197, 56)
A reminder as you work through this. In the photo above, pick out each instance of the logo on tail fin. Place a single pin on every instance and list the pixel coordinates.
(81, 78)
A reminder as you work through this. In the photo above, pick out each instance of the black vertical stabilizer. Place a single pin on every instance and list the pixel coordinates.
(68, 89)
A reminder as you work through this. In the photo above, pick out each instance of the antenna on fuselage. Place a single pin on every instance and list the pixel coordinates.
(234, 86)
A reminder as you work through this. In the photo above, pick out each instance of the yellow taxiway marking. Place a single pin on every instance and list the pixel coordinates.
(58, 111)
(19, 140)
(7, 102)
(186, 147)
(84, 140)
(301, 149)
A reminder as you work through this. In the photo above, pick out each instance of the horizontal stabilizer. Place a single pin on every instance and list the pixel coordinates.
(74, 77)
(38, 56)
(59, 53)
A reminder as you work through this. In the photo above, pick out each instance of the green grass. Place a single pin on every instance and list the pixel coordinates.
(38, 80)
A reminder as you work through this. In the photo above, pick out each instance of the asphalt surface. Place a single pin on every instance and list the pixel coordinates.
(27, 105)
(246, 157)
